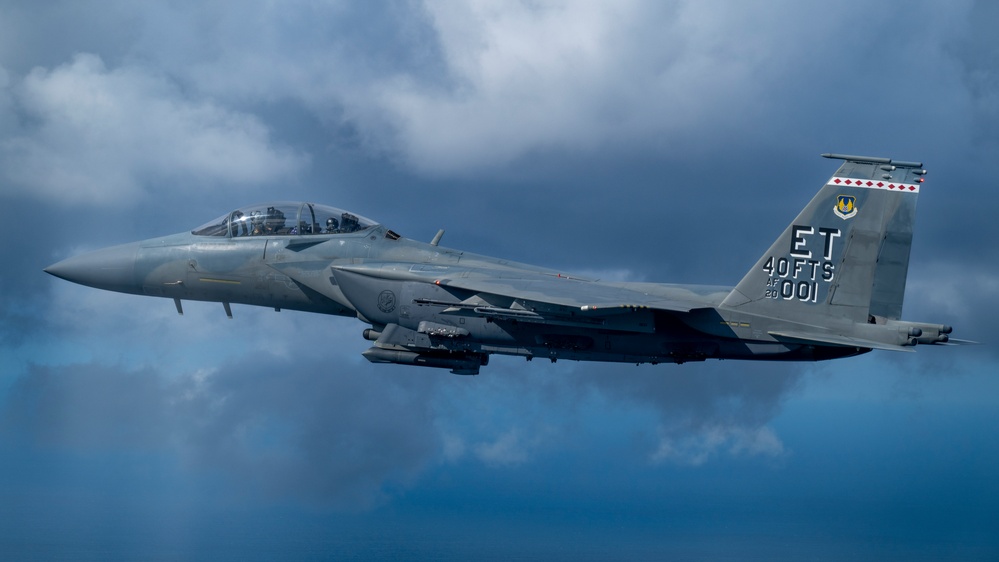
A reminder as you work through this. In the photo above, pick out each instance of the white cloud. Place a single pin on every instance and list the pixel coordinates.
(509, 449)
(575, 75)
(99, 135)
(452, 88)
(697, 448)
(459, 88)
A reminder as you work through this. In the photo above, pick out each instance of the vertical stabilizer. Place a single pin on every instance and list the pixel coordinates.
(846, 255)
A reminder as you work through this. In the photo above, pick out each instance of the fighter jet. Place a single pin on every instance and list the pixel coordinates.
(830, 286)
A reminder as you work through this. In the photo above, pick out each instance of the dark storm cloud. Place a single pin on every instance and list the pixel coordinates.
(305, 430)
(978, 55)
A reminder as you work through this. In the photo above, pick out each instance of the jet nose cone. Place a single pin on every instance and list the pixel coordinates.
(112, 269)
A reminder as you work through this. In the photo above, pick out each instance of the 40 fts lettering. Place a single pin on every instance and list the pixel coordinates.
(800, 274)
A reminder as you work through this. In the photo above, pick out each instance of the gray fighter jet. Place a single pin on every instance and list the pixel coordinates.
(830, 286)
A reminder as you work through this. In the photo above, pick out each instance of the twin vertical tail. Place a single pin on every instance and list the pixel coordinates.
(846, 255)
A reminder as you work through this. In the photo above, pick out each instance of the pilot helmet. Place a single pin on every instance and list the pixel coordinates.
(331, 223)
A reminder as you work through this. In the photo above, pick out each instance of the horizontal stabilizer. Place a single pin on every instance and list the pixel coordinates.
(833, 339)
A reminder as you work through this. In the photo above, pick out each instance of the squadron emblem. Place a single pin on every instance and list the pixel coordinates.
(386, 301)
(846, 206)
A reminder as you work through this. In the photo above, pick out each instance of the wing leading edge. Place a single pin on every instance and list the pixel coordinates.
(527, 297)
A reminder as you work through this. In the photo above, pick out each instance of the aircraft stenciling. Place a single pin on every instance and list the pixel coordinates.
(800, 274)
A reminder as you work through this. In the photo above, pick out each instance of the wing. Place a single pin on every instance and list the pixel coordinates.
(524, 296)
(587, 296)
(504, 293)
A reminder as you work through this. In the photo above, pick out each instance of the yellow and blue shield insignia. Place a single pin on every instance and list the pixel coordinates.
(846, 206)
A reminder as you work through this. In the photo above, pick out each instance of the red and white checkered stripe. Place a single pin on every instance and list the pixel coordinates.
(875, 184)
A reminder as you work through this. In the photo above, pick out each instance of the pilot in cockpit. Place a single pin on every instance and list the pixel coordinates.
(332, 226)
(274, 221)
(256, 223)
(349, 223)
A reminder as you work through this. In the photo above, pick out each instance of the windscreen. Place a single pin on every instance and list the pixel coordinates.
(284, 219)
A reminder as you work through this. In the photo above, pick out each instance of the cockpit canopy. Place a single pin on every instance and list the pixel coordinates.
(284, 219)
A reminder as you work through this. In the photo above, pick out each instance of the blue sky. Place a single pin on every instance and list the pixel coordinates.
(647, 141)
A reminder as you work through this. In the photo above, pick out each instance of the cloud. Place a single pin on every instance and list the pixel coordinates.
(695, 448)
(692, 414)
(95, 135)
(978, 55)
(702, 411)
(567, 77)
(280, 430)
(450, 90)
(141, 332)
(961, 295)
(453, 89)
(507, 450)
(281, 404)
(577, 76)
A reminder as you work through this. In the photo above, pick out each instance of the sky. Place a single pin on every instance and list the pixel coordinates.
(660, 141)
